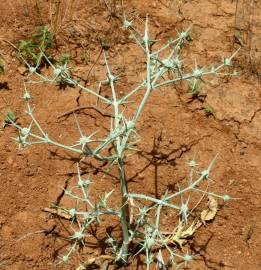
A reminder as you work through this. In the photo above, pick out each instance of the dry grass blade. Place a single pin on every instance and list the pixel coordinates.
(248, 30)
(59, 212)
(61, 14)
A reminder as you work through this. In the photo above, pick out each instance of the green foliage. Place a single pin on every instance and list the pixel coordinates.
(195, 87)
(209, 110)
(32, 50)
(85, 57)
(64, 59)
(239, 38)
(10, 118)
(2, 67)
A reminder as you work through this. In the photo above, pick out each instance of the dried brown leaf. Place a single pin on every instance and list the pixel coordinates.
(210, 213)
(180, 236)
(102, 260)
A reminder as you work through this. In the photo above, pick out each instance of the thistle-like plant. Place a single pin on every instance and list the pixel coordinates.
(139, 215)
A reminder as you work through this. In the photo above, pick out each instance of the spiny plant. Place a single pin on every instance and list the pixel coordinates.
(139, 215)
(195, 87)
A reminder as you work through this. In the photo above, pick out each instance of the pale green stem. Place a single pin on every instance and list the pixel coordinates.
(121, 170)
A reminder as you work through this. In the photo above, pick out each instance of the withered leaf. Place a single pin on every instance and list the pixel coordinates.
(210, 213)
(179, 237)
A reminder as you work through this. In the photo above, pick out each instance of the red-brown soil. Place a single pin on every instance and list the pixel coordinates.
(33, 178)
